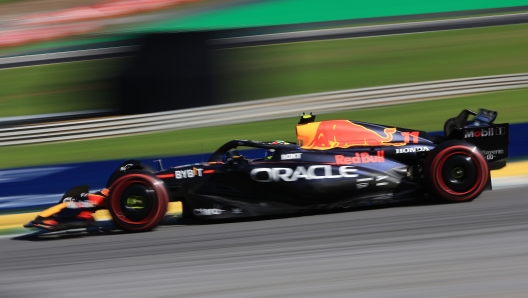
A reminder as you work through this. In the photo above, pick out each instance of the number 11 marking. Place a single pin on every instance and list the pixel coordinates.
(408, 135)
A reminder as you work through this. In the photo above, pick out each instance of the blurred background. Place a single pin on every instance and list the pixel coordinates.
(87, 84)
(97, 80)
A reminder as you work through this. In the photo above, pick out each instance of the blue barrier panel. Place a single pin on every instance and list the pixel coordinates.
(44, 186)
(518, 140)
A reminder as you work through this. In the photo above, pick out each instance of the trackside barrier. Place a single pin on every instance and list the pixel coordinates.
(275, 38)
(42, 186)
(373, 30)
(39, 187)
(257, 110)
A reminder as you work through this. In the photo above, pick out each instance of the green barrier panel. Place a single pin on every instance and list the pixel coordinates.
(270, 13)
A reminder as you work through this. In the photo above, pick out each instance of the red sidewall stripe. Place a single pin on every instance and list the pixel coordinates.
(159, 206)
(439, 184)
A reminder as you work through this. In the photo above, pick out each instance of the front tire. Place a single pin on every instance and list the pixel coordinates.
(138, 201)
(456, 172)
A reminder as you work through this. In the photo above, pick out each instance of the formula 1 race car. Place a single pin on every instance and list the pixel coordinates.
(335, 164)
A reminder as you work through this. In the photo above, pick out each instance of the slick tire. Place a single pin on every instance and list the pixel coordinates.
(138, 201)
(456, 171)
(135, 167)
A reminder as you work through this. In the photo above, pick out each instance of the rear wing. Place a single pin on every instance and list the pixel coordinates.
(491, 139)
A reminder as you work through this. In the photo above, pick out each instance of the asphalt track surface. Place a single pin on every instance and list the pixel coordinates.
(477, 249)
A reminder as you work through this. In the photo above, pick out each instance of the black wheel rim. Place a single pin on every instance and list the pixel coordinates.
(459, 173)
(136, 202)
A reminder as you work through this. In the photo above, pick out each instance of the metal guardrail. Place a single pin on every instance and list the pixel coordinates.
(54, 117)
(68, 56)
(257, 110)
(274, 38)
(373, 30)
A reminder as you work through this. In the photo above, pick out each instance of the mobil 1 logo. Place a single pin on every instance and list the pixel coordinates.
(492, 141)
(484, 132)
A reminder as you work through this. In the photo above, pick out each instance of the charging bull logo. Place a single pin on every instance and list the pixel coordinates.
(342, 134)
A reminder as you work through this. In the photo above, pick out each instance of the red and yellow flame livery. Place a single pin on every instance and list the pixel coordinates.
(330, 134)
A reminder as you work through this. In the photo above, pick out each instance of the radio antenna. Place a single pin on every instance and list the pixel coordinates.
(201, 151)
(160, 165)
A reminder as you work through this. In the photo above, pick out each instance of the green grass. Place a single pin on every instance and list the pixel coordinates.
(287, 69)
(10, 1)
(269, 71)
(428, 116)
(58, 87)
(296, 68)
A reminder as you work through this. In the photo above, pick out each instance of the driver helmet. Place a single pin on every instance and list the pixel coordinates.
(234, 156)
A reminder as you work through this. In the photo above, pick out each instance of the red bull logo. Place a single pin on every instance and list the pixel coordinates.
(342, 134)
(363, 157)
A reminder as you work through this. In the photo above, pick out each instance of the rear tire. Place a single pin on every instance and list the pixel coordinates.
(456, 171)
(138, 201)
